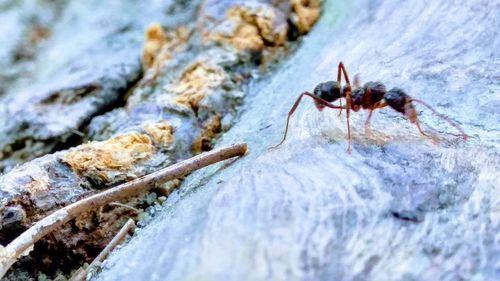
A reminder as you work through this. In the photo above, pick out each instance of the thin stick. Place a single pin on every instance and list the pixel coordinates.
(20, 245)
(82, 274)
(118, 204)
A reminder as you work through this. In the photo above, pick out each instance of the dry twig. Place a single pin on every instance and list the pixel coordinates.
(24, 243)
(81, 274)
(118, 204)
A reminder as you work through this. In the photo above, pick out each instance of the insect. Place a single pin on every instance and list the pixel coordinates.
(371, 96)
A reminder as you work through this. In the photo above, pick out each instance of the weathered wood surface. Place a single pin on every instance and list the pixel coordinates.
(398, 208)
(117, 89)
(42, 228)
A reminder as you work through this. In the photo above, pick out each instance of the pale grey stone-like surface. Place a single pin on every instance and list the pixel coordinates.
(397, 208)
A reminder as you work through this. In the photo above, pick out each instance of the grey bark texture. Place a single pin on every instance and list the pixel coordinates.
(398, 208)
(99, 93)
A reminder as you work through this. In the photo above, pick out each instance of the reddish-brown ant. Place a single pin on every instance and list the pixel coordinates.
(373, 95)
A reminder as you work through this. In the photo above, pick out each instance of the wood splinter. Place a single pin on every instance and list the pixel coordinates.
(81, 274)
(24, 243)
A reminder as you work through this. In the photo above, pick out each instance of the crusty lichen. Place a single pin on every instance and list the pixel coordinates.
(196, 82)
(160, 44)
(155, 38)
(306, 13)
(250, 26)
(268, 20)
(105, 162)
(160, 132)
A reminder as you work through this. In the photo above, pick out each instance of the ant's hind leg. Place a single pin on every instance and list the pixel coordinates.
(462, 133)
(411, 114)
(417, 124)
(431, 137)
(420, 129)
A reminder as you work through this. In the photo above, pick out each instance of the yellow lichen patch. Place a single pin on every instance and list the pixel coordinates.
(245, 37)
(211, 128)
(249, 27)
(307, 13)
(265, 19)
(196, 82)
(160, 44)
(161, 133)
(154, 41)
(102, 160)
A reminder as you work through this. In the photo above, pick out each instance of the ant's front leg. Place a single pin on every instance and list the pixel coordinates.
(320, 104)
(339, 76)
(347, 90)
(340, 70)
(340, 111)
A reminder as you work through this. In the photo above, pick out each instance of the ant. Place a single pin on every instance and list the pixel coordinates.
(371, 96)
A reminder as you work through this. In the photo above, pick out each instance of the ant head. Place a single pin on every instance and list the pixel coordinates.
(328, 91)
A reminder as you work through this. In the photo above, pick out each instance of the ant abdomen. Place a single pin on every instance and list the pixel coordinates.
(328, 91)
(396, 99)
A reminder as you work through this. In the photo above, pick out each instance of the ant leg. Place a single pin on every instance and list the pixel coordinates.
(341, 69)
(349, 149)
(346, 77)
(348, 102)
(420, 129)
(317, 100)
(368, 131)
(367, 103)
(339, 77)
(434, 139)
(464, 135)
(411, 113)
(377, 105)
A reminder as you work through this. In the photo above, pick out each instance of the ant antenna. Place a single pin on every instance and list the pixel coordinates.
(464, 135)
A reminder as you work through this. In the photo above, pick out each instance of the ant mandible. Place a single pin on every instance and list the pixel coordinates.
(373, 95)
